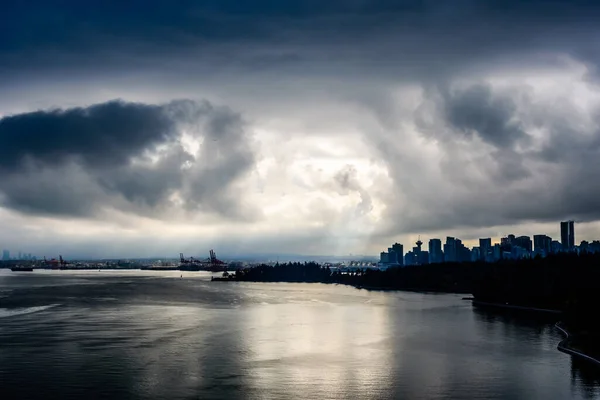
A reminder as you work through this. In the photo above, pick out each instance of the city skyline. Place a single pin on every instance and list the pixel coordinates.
(302, 127)
(509, 247)
(197, 249)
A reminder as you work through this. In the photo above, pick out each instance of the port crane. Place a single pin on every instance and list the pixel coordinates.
(53, 263)
(212, 263)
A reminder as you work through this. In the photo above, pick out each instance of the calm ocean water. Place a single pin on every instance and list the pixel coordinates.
(155, 335)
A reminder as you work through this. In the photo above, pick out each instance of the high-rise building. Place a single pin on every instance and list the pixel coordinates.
(506, 243)
(410, 258)
(435, 251)
(423, 258)
(485, 248)
(5, 255)
(497, 252)
(398, 250)
(450, 250)
(475, 254)
(463, 254)
(517, 252)
(523, 242)
(392, 257)
(542, 245)
(567, 235)
(383, 257)
(556, 246)
(564, 235)
(571, 235)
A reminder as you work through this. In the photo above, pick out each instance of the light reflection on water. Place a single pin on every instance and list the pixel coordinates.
(162, 336)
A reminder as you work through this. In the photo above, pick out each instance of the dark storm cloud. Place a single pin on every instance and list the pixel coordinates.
(103, 134)
(426, 42)
(476, 110)
(423, 38)
(125, 156)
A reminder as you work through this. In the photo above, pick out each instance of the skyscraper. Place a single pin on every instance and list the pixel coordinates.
(571, 235)
(399, 253)
(435, 251)
(567, 235)
(384, 257)
(542, 245)
(485, 248)
(5, 255)
(450, 250)
(523, 242)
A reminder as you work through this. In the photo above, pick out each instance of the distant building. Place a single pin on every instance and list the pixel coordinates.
(507, 242)
(423, 258)
(518, 252)
(542, 245)
(475, 254)
(485, 248)
(497, 252)
(410, 258)
(556, 246)
(5, 255)
(450, 253)
(383, 257)
(567, 235)
(435, 251)
(392, 256)
(398, 250)
(420, 257)
(463, 254)
(524, 242)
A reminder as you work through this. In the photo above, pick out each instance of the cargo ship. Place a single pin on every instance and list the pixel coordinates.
(158, 268)
(21, 269)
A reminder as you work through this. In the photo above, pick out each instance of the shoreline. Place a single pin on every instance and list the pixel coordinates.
(513, 307)
(565, 348)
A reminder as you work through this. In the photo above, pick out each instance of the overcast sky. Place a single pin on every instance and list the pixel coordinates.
(310, 127)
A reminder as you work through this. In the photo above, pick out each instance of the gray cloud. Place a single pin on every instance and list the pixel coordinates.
(476, 111)
(347, 181)
(103, 134)
(492, 170)
(403, 40)
(125, 156)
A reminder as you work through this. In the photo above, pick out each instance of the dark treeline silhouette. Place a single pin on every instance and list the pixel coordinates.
(555, 282)
(455, 278)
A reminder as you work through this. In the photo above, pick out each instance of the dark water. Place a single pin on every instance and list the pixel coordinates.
(155, 335)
